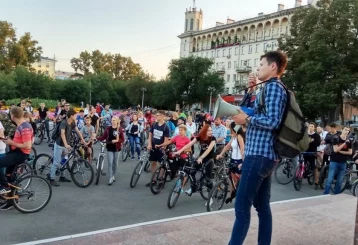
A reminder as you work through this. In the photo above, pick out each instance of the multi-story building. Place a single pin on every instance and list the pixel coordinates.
(65, 75)
(236, 46)
(45, 66)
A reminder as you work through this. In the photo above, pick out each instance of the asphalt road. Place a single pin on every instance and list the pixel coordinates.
(75, 210)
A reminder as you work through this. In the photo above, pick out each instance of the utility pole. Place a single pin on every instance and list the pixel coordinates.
(211, 89)
(143, 90)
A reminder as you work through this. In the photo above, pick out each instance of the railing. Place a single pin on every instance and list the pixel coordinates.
(244, 69)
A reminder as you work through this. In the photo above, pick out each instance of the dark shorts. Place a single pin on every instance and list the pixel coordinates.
(311, 159)
(155, 155)
(234, 165)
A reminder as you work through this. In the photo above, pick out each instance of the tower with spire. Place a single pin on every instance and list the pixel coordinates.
(193, 19)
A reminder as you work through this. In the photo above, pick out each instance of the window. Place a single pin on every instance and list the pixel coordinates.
(242, 49)
(228, 78)
(212, 54)
(47, 65)
(191, 24)
(272, 46)
(250, 49)
(217, 66)
(224, 52)
(257, 48)
(185, 45)
(265, 47)
(234, 77)
(197, 25)
(229, 65)
(46, 72)
(256, 62)
(186, 24)
(229, 51)
(236, 51)
(227, 90)
(218, 53)
(235, 64)
(248, 62)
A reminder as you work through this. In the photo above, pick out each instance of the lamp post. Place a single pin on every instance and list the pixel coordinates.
(143, 90)
(211, 89)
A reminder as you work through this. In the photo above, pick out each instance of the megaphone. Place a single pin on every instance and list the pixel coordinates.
(222, 108)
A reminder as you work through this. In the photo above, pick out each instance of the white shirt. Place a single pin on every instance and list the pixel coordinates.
(323, 136)
(86, 111)
(2, 144)
(236, 153)
(191, 128)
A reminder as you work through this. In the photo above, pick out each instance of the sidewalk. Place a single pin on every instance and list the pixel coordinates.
(327, 220)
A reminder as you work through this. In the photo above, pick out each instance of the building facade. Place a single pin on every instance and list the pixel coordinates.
(235, 46)
(45, 66)
(65, 75)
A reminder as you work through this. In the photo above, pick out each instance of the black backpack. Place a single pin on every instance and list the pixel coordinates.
(56, 132)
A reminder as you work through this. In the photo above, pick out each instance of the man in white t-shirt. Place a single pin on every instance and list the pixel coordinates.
(320, 149)
(2, 144)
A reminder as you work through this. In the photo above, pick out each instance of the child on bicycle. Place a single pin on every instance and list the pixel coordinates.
(88, 133)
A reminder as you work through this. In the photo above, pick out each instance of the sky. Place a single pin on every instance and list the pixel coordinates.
(145, 30)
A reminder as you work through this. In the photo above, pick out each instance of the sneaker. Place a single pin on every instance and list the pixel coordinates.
(4, 190)
(54, 183)
(64, 179)
(211, 202)
(132, 157)
(110, 181)
(153, 182)
(138, 158)
(8, 206)
(114, 179)
(48, 176)
(189, 192)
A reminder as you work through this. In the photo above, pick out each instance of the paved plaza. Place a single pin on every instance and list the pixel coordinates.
(74, 210)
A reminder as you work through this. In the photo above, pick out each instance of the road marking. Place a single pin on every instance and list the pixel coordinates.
(56, 239)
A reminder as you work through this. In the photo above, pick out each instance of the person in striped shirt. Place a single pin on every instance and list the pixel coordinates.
(260, 156)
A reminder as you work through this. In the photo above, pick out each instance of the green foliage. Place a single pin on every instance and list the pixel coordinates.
(35, 102)
(323, 53)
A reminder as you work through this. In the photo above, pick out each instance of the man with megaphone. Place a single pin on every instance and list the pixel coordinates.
(260, 156)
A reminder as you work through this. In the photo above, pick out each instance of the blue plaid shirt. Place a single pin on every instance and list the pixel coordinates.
(259, 135)
(219, 132)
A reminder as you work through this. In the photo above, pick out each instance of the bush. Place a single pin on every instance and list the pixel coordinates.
(35, 102)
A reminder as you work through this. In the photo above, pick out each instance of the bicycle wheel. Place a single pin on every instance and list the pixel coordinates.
(85, 170)
(204, 192)
(159, 176)
(39, 137)
(147, 166)
(33, 152)
(323, 176)
(125, 152)
(99, 168)
(354, 189)
(36, 195)
(297, 180)
(136, 174)
(284, 172)
(42, 164)
(175, 193)
(217, 196)
(310, 178)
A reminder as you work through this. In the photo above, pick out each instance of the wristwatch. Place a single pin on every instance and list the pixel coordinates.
(247, 119)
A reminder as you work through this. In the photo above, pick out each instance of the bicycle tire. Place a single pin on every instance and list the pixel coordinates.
(99, 169)
(323, 176)
(310, 178)
(14, 191)
(355, 188)
(136, 174)
(86, 165)
(41, 138)
(159, 186)
(213, 193)
(288, 165)
(35, 166)
(125, 152)
(177, 184)
(33, 151)
(147, 167)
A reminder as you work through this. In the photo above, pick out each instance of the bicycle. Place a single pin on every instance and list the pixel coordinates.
(303, 170)
(160, 175)
(40, 132)
(223, 185)
(21, 183)
(143, 164)
(43, 162)
(99, 163)
(126, 150)
(196, 179)
(284, 172)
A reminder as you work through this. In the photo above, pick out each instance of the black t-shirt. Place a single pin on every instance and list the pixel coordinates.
(159, 133)
(68, 129)
(94, 120)
(112, 135)
(338, 157)
(315, 141)
(204, 144)
(134, 128)
(43, 113)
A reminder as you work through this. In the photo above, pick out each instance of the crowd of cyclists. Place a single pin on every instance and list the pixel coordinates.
(220, 140)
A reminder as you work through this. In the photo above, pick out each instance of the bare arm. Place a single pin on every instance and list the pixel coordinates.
(226, 148)
(242, 145)
(211, 146)
(188, 146)
(63, 137)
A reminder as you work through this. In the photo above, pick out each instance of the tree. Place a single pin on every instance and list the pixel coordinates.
(83, 63)
(323, 56)
(14, 52)
(134, 91)
(162, 95)
(190, 78)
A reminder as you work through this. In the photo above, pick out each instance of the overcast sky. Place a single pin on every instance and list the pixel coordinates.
(146, 30)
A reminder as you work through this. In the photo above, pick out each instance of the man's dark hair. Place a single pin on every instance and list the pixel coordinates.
(312, 123)
(277, 57)
(161, 112)
(82, 110)
(333, 125)
(70, 113)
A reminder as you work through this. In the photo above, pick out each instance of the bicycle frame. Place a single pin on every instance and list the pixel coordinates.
(103, 145)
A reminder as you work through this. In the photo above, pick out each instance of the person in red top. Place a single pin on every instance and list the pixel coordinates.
(180, 141)
(20, 147)
(98, 108)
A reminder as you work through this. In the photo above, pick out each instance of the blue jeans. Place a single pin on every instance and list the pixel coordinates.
(57, 158)
(254, 189)
(335, 168)
(2, 170)
(134, 142)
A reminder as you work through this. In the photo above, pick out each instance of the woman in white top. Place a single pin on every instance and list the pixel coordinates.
(190, 125)
(2, 145)
(237, 157)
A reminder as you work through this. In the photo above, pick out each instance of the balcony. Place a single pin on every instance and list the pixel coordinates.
(220, 70)
(240, 83)
(244, 69)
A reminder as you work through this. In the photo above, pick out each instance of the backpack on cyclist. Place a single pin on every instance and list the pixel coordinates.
(56, 132)
(292, 135)
(9, 126)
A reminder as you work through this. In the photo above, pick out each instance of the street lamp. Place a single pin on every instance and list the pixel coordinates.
(143, 90)
(211, 89)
